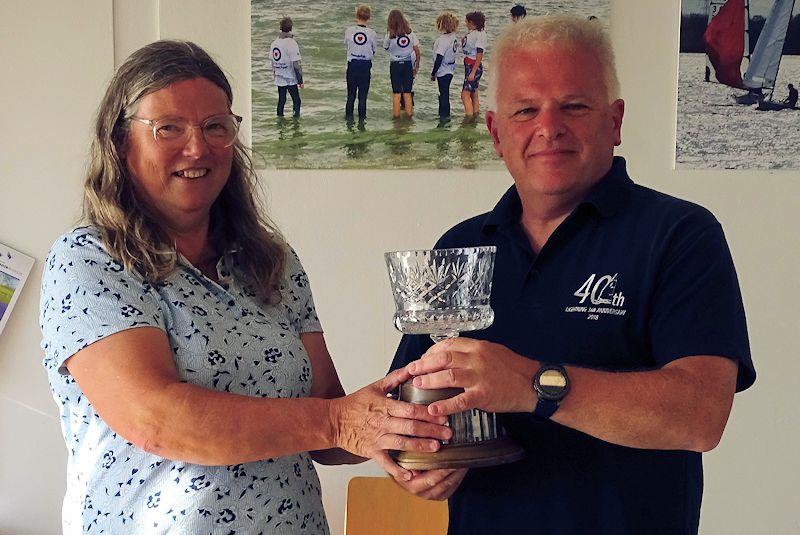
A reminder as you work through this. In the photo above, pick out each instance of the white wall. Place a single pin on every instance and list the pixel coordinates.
(56, 58)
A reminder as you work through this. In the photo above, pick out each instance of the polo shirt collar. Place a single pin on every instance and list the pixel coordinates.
(606, 197)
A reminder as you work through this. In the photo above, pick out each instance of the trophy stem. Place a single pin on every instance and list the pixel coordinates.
(439, 337)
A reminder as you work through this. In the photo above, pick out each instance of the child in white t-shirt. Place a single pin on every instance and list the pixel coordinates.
(444, 64)
(473, 45)
(286, 67)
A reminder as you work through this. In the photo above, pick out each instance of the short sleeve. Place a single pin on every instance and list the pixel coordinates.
(295, 54)
(386, 41)
(697, 307)
(87, 296)
(440, 47)
(296, 295)
(480, 42)
(414, 40)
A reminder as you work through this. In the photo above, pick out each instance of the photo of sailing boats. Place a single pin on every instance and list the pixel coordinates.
(738, 74)
(322, 138)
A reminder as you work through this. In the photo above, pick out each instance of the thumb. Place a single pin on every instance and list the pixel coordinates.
(393, 380)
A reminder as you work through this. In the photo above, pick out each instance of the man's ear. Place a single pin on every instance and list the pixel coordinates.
(491, 125)
(617, 111)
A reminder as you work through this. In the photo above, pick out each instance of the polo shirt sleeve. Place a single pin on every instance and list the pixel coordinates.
(87, 296)
(697, 305)
(297, 296)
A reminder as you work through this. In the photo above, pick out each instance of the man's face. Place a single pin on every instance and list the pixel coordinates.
(553, 124)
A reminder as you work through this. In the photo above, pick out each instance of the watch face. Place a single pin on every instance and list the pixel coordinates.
(552, 384)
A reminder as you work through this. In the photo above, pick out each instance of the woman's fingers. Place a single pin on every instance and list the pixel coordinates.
(399, 473)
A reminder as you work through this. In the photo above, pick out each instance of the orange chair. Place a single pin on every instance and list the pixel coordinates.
(378, 506)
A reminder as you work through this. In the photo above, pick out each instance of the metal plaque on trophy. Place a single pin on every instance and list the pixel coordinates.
(442, 292)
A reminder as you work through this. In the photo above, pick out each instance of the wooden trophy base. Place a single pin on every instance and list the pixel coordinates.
(486, 453)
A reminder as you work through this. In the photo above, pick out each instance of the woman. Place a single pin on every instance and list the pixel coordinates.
(404, 53)
(444, 64)
(180, 335)
(473, 45)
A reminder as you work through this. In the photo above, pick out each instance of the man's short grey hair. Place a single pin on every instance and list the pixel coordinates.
(569, 31)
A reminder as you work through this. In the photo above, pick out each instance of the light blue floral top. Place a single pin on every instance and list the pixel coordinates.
(222, 339)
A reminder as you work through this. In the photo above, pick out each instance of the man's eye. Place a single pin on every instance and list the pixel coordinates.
(575, 106)
(525, 111)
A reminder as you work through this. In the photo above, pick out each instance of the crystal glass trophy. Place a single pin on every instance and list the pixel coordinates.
(442, 292)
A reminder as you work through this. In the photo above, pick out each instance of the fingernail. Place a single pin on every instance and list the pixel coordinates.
(417, 381)
(407, 476)
(433, 409)
(412, 367)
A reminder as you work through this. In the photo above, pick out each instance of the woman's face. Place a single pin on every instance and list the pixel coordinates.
(470, 25)
(180, 181)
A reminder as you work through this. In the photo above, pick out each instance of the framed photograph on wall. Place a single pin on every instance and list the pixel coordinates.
(14, 270)
(319, 134)
(739, 68)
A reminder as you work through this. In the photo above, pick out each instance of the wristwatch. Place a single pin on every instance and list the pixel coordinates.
(551, 384)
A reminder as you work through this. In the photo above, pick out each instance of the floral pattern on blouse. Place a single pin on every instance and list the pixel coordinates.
(222, 339)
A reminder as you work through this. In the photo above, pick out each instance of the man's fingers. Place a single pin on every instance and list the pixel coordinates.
(445, 487)
(459, 403)
(449, 378)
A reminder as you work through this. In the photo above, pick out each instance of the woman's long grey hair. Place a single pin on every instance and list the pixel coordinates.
(130, 232)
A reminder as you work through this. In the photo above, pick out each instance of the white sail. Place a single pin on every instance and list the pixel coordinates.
(766, 59)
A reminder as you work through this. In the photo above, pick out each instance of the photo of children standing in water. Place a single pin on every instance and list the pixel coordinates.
(360, 112)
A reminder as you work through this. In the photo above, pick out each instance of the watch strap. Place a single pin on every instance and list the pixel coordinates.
(545, 408)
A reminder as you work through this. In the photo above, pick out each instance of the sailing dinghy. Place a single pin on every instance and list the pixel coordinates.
(725, 39)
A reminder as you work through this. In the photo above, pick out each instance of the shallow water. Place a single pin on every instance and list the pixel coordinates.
(322, 139)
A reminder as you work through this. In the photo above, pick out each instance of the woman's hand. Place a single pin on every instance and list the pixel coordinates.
(367, 423)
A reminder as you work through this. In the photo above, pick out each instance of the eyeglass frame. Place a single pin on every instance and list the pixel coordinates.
(152, 124)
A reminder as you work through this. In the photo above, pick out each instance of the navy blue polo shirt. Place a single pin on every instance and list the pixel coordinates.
(632, 279)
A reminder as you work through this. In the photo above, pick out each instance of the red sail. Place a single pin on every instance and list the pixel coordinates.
(724, 39)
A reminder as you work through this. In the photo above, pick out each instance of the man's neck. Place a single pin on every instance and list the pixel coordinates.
(542, 214)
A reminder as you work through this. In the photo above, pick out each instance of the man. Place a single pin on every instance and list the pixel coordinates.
(791, 100)
(619, 336)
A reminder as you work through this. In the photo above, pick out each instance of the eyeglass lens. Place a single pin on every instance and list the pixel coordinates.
(218, 131)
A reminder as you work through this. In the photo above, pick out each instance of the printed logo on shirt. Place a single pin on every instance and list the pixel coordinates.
(455, 45)
(276, 54)
(403, 41)
(464, 42)
(360, 38)
(599, 296)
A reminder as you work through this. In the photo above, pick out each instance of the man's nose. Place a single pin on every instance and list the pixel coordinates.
(550, 123)
(196, 145)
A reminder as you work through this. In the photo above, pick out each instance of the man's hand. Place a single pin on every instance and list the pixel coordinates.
(433, 484)
(493, 377)
(367, 423)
